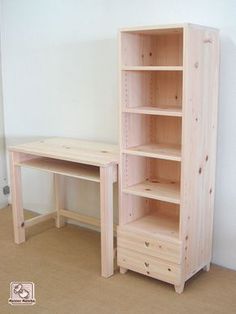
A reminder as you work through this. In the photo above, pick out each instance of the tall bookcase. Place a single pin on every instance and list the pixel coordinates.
(168, 121)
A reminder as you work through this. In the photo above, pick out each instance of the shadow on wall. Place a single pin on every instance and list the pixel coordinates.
(3, 172)
(225, 197)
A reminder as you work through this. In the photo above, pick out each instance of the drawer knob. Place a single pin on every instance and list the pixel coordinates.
(146, 264)
(146, 244)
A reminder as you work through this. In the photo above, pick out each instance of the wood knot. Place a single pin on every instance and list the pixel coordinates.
(22, 224)
(155, 181)
(196, 65)
(200, 170)
(207, 41)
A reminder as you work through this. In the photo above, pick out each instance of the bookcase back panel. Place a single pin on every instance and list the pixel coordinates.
(137, 129)
(164, 208)
(138, 172)
(164, 170)
(150, 49)
(139, 169)
(161, 89)
(166, 130)
(134, 207)
(137, 89)
(147, 129)
(167, 89)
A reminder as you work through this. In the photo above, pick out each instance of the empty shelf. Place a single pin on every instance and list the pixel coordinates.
(172, 112)
(156, 189)
(156, 224)
(71, 169)
(162, 151)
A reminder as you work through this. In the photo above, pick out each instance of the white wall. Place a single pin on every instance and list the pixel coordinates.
(3, 168)
(60, 78)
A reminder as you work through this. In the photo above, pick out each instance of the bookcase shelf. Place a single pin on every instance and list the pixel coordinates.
(152, 68)
(66, 168)
(168, 117)
(162, 151)
(150, 110)
(156, 189)
(160, 225)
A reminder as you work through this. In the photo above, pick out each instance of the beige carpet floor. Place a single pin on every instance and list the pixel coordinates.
(64, 264)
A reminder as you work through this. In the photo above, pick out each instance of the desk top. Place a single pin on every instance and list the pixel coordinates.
(85, 152)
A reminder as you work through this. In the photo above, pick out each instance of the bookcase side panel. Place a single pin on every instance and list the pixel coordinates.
(201, 62)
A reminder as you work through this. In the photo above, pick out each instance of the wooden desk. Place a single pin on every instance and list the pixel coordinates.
(85, 160)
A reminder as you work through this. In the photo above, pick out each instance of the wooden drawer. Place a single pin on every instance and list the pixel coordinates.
(148, 265)
(149, 245)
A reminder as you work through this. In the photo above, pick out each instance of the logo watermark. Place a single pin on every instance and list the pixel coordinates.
(22, 293)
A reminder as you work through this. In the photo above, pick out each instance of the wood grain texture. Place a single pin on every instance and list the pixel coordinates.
(158, 225)
(149, 265)
(163, 191)
(199, 146)
(59, 198)
(65, 168)
(17, 205)
(161, 151)
(106, 216)
(89, 220)
(158, 89)
(86, 152)
(65, 157)
(159, 49)
(38, 219)
(152, 68)
(168, 109)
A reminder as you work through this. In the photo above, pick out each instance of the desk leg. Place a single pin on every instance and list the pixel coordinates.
(59, 199)
(106, 214)
(16, 194)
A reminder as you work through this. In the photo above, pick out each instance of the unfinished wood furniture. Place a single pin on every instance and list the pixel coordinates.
(168, 118)
(92, 161)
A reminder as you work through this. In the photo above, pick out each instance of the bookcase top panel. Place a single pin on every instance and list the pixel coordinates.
(163, 29)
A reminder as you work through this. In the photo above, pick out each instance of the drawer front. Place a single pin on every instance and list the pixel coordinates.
(148, 265)
(142, 243)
